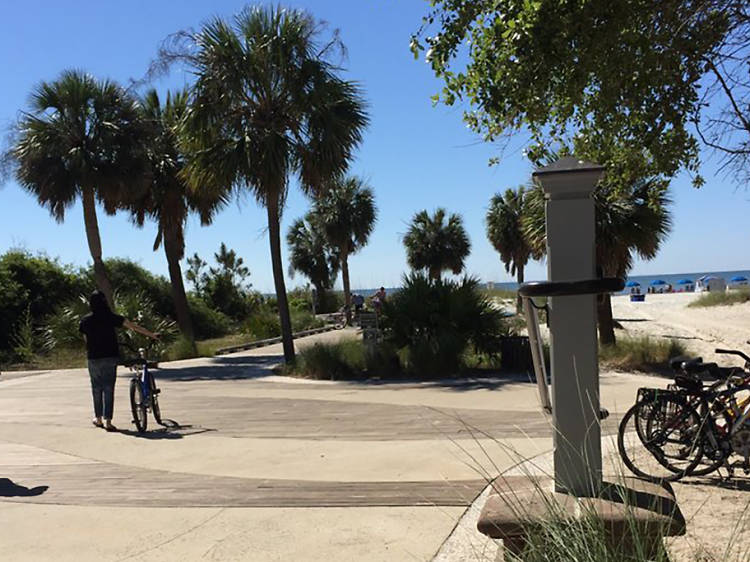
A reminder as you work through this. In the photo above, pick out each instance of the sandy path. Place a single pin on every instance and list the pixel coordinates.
(700, 329)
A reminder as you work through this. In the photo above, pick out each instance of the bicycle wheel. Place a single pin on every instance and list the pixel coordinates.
(713, 454)
(154, 399)
(660, 440)
(138, 405)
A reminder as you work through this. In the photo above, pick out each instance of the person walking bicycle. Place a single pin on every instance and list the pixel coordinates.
(103, 354)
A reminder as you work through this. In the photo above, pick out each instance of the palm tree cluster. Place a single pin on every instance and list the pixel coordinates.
(338, 226)
(632, 219)
(267, 105)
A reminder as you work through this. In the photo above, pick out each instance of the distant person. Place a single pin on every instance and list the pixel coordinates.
(378, 300)
(103, 355)
(359, 303)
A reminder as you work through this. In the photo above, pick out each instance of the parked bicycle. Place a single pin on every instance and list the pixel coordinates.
(690, 428)
(144, 394)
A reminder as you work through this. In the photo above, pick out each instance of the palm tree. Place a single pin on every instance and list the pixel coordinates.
(505, 232)
(267, 104)
(169, 200)
(347, 212)
(82, 138)
(630, 222)
(312, 255)
(436, 245)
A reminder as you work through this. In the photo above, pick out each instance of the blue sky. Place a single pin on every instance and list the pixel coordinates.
(414, 155)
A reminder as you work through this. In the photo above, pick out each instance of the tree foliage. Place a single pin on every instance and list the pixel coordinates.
(505, 229)
(267, 104)
(632, 69)
(436, 244)
(311, 254)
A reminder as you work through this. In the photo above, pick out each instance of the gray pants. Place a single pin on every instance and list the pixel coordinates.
(103, 373)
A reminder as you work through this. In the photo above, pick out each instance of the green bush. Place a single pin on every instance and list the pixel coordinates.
(207, 322)
(32, 287)
(433, 323)
(346, 359)
(130, 278)
(304, 320)
(263, 324)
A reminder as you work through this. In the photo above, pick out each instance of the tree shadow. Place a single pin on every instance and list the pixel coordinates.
(221, 368)
(10, 489)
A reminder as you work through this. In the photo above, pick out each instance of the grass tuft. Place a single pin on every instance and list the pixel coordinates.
(724, 298)
(640, 353)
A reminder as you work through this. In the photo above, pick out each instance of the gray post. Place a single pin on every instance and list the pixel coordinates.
(567, 186)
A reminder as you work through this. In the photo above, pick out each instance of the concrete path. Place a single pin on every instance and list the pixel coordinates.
(255, 466)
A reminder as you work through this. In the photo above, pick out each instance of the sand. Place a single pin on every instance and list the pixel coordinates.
(701, 330)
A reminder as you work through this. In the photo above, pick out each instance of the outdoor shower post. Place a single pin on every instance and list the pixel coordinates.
(571, 256)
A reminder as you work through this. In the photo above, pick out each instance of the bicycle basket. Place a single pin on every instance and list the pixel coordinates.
(655, 394)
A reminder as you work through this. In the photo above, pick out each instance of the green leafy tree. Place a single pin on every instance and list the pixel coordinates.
(436, 244)
(224, 287)
(82, 139)
(169, 199)
(348, 214)
(312, 255)
(267, 104)
(505, 232)
(633, 68)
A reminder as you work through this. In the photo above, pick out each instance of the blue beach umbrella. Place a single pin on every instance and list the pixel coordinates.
(632, 284)
(738, 278)
(658, 282)
(685, 282)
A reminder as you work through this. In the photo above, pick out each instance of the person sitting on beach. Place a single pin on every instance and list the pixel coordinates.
(103, 354)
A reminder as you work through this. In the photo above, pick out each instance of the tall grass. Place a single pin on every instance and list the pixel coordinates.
(640, 353)
(723, 298)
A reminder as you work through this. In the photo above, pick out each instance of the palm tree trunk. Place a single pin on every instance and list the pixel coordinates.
(172, 249)
(605, 320)
(519, 300)
(347, 288)
(274, 227)
(95, 243)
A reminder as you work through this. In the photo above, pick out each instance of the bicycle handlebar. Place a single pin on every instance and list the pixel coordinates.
(570, 288)
(732, 352)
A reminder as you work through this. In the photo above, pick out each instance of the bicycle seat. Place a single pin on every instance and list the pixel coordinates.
(677, 363)
(694, 368)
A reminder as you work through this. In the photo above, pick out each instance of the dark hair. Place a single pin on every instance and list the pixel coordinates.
(98, 303)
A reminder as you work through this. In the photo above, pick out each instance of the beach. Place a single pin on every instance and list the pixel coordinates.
(700, 329)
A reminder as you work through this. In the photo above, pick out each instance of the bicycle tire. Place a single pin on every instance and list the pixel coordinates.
(154, 399)
(137, 405)
(707, 465)
(641, 448)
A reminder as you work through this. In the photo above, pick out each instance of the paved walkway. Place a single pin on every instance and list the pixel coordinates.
(255, 466)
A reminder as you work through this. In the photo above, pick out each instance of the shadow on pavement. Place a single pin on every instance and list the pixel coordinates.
(739, 484)
(9, 489)
(169, 429)
(222, 368)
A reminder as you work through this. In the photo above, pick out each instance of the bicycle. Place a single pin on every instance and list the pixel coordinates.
(689, 428)
(144, 394)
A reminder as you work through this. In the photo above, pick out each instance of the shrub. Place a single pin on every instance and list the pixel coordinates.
(207, 322)
(130, 278)
(263, 324)
(337, 361)
(32, 288)
(640, 353)
(433, 323)
(304, 320)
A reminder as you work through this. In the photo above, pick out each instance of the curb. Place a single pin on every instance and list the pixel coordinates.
(271, 341)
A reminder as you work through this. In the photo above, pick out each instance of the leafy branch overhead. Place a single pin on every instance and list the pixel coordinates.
(633, 69)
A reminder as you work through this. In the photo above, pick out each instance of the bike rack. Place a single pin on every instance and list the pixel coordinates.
(555, 289)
